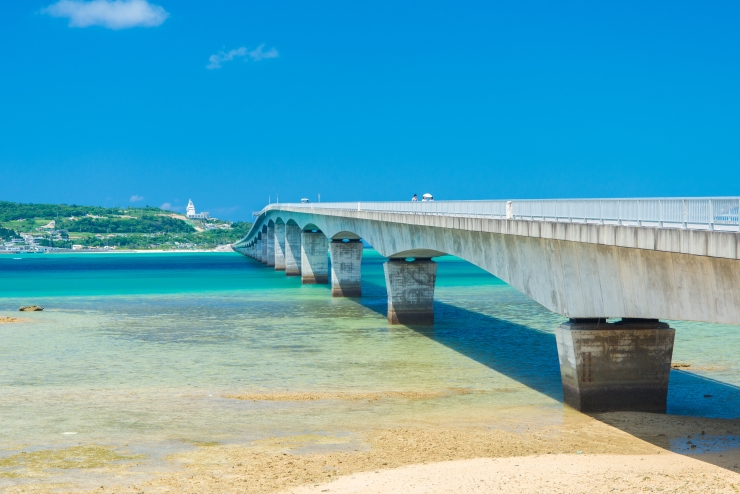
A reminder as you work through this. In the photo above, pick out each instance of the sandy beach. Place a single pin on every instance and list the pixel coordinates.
(624, 445)
(616, 452)
(147, 251)
(573, 474)
(220, 248)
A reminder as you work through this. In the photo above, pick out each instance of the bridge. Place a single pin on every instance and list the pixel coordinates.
(636, 260)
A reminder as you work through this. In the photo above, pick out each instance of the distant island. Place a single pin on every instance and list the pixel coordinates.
(62, 227)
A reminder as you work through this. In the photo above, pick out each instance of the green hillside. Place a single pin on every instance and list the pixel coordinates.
(95, 226)
(14, 211)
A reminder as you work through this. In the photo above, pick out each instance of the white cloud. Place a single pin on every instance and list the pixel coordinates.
(222, 56)
(256, 55)
(135, 198)
(113, 14)
(166, 205)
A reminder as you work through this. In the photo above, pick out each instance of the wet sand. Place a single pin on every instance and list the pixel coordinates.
(628, 452)
(313, 396)
(10, 320)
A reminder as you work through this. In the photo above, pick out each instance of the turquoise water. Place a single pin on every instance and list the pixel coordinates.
(140, 349)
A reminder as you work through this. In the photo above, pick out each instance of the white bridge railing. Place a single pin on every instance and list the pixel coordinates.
(708, 213)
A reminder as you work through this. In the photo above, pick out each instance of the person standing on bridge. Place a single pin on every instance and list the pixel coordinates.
(415, 199)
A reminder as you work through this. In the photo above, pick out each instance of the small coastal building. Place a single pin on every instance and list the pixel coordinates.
(192, 215)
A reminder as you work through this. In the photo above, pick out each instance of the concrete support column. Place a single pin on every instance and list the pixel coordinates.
(258, 250)
(622, 366)
(292, 250)
(263, 255)
(346, 268)
(279, 244)
(270, 243)
(410, 287)
(314, 258)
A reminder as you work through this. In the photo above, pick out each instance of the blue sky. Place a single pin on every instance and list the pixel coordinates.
(229, 102)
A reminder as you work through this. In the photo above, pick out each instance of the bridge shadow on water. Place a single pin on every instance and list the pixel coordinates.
(530, 356)
(524, 354)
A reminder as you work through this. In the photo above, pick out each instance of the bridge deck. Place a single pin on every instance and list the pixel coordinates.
(711, 213)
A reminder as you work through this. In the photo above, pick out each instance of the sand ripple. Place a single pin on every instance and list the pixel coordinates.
(314, 396)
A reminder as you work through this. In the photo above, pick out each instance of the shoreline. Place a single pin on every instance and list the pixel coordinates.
(583, 454)
(634, 447)
(119, 251)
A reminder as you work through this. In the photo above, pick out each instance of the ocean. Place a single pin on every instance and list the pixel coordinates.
(148, 351)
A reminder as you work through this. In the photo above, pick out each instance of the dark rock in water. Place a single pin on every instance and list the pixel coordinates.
(30, 308)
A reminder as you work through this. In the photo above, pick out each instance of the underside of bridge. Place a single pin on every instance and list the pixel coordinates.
(584, 275)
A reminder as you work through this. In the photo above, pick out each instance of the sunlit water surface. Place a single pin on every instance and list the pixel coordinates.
(140, 349)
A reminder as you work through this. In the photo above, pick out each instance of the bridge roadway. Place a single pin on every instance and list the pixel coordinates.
(636, 260)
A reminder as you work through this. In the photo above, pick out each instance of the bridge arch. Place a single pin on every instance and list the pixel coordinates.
(345, 235)
(411, 245)
(400, 241)
(311, 227)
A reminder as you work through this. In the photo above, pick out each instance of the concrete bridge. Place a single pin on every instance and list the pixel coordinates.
(636, 260)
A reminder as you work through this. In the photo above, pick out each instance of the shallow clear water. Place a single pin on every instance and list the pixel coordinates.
(139, 349)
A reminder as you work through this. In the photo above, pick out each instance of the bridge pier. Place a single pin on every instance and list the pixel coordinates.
(292, 250)
(622, 366)
(270, 244)
(410, 287)
(258, 250)
(263, 256)
(279, 247)
(346, 268)
(314, 258)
